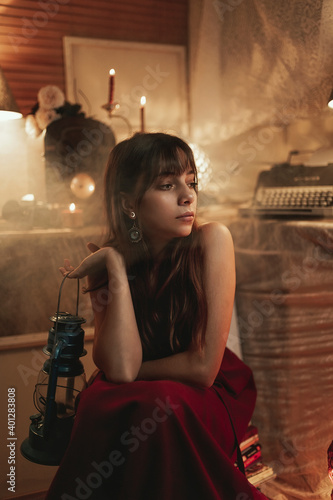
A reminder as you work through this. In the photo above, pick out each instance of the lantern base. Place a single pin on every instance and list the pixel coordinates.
(49, 451)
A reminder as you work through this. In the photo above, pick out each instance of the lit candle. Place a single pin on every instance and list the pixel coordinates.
(73, 217)
(111, 87)
(28, 200)
(28, 197)
(142, 113)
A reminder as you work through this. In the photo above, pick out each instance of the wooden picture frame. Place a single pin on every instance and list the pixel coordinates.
(156, 71)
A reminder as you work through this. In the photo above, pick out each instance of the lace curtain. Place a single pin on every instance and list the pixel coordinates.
(261, 72)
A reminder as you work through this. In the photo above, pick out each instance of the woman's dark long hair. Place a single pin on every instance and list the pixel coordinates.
(169, 300)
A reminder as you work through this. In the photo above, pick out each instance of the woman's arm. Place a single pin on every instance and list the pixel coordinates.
(200, 366)
(117, 349)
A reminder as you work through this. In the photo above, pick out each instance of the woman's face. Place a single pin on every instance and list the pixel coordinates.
(168, 208)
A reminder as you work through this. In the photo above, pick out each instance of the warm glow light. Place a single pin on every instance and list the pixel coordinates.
(82, 185)
(9, 115)
(72, 207)
(112, 72)
(330, 104)
(203, 165)
(28, 197)
(143, 100)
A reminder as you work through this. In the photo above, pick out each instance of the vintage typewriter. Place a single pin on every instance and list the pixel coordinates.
(292, 191)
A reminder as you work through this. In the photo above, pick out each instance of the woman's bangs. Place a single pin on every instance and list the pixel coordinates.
(176, 162)
(171, 157)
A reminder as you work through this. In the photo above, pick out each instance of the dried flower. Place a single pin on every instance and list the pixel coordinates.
(51, 106)
(31, 127)
(46, 116)
(50, 97)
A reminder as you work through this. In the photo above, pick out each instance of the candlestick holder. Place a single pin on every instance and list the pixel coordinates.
(111, 108)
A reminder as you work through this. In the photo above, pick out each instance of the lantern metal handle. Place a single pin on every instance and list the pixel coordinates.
(59, 297)
(53, 375)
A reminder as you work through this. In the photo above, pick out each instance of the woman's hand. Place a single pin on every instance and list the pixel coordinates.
(104, 264)
(101, 259)
(68, 269)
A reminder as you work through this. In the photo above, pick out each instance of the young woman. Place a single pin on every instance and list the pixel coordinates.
(162, 418)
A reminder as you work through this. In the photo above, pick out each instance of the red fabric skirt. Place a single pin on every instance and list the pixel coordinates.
(159, 440)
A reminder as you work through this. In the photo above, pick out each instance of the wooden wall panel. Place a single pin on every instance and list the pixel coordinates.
(32, 31)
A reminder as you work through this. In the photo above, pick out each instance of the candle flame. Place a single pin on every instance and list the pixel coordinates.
(112, 72)
(143, 100)
(72, 207)
(28, 197)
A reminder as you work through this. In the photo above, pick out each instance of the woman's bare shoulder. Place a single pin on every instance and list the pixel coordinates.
(214, 234)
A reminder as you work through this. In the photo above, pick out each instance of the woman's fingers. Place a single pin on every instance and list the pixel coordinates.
(94, 263)
(67, 268)
(67, 265)
(90, 265)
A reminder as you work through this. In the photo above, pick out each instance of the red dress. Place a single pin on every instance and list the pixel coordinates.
(159, 440)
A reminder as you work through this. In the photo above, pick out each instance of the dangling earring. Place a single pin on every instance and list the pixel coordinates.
(134, 233)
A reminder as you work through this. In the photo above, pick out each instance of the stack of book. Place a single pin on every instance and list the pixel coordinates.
(255, 470)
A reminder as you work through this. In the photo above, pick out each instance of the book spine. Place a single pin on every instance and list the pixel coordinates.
(249, 461)
(249, 442)
(251, 450)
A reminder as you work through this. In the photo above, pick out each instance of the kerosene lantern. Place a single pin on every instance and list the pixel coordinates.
(59, 382)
